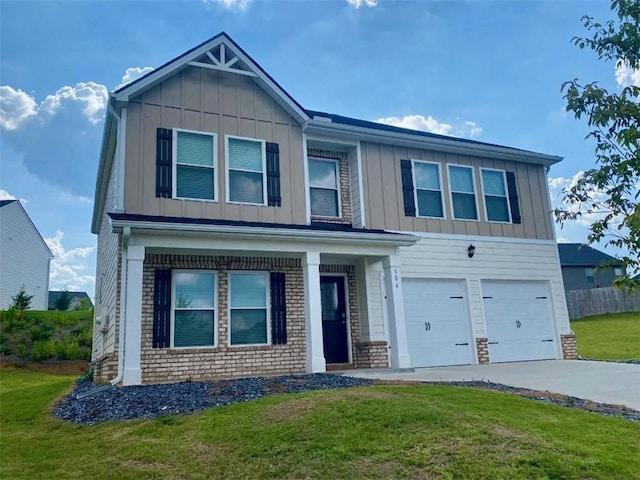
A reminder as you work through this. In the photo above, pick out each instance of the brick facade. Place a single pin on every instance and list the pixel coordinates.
(482, 346)
(371, 355)
(345, 189)
(569, 347)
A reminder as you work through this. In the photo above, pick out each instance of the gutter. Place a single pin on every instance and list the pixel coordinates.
(329, 128)
(123, 299)
(268, 233)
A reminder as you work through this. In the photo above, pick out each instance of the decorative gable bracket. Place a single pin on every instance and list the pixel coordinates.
(221, 58)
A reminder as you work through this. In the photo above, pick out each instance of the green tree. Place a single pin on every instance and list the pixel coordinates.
(63, 301)
(610, 190)
(21, 300)
(84, 304)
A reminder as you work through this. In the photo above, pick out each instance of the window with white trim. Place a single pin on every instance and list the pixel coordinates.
(248, 312)
(324, 187)
(246, 170)
(494, 189)
(428, 189)
(194, 308)
(463, 193)
(194, 163)
(588, 272)
(617, 271)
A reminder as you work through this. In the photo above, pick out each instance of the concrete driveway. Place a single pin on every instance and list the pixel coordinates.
(603, 382)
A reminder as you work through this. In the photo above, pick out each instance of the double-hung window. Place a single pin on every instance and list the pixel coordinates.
(323, 187)
(463, 193)
(194, 308)
(496, 201)
(588, 272)
(428, 189)
(195, 172)
(246, 170)
(248, 312)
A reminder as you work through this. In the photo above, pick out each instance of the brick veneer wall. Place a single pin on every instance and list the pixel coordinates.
(372, 355)
(345, 189)
(569, 347)
(482, 345)
(165, 364)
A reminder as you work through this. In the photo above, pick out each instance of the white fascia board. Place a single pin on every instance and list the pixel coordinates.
(107, 150)
(265, 233)
(477, 238)
(162, 73)
(351, 132)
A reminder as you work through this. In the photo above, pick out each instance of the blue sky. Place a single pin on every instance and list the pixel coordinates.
(488, 70)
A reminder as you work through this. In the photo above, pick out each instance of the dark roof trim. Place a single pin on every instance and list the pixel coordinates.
(6, 202)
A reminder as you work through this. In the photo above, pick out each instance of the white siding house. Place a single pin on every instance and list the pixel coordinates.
(24, 257)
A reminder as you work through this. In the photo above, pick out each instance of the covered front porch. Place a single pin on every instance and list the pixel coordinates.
(339, 301)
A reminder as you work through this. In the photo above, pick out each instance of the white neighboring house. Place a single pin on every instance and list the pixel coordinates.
(24, 257)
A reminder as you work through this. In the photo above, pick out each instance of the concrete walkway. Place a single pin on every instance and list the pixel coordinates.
(603, 382)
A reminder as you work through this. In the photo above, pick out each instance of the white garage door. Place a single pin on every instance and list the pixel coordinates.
(519, 320)
(437, 322)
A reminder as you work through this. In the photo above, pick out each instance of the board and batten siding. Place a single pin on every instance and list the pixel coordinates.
(384, 208)
(24, 259)
(213, 102)
(107, 293)
(493, 260)
(354, 189)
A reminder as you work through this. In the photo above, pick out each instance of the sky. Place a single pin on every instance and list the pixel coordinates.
(486, 70)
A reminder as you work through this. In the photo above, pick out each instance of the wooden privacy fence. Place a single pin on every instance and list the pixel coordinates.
(598, 301)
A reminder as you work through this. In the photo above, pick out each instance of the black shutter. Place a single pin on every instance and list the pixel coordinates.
(513, 197)
(407, 188)
(273, 175)
(162, 308)
(278, 309)
(164, 149)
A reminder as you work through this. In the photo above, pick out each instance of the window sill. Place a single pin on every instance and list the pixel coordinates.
(230, 202)
(183, 350)
(201, 200)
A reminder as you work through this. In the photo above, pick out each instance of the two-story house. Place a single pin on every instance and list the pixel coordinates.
(25, 258)
(242, 234)
(584, 267)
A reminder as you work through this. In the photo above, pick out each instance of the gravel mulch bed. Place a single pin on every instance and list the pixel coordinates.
(90, 403)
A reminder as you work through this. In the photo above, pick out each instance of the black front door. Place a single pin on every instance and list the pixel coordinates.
(334, 319)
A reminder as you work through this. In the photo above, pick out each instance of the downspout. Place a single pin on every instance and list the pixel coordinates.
(126, 233)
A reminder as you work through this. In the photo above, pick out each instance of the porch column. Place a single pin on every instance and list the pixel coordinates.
(313, 313)
(399, 351)
(132, 374)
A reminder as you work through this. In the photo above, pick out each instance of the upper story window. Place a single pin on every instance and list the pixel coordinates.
(617, 271)
(428, 189)
(246, 170)
(248, 313)
(194, 164)
(194, 308)
(588, 272)
(496, 201)
(463, 193)
(324, 187)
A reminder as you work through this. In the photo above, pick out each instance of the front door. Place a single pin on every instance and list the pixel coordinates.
(334, 319)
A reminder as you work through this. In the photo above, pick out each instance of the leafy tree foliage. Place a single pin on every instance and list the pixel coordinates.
(610, 190)
(63, 302)
(21, 300)
(84, 304)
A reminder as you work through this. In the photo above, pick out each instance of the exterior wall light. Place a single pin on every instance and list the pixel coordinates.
(471, 250)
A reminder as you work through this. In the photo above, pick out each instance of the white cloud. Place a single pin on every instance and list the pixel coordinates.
(132, 74)
(68, 266)
(4, 195)
(627, 76)
(15, 107)
(231, 4)
(363, 3)
(429, 124)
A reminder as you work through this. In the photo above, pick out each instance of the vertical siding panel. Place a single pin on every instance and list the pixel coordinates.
(146, 184)
(295, 210)
(211, 91)
(132, 156)
(192, 88)
(229, 94)
(365, 152)
(247, 98)
(389, 170)
(172, 92)
(537, 198)
(375, 187)
(544, 200)
(526, 206)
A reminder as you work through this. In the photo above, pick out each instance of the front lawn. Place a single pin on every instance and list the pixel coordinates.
(385, 431)
(615, 336)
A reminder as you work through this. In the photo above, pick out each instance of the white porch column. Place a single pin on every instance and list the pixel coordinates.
(313, 313)
(133, 316)
(399, 351)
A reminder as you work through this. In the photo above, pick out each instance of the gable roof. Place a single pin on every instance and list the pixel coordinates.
(4, 203)
(582, 255)
(56, 294)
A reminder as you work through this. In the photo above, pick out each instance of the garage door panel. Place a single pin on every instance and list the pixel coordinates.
(519, 320)
(437, 322)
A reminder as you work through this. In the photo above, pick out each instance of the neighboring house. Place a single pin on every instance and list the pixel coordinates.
(75, 298)
(241, 234)
(24, 257)
(585, 267)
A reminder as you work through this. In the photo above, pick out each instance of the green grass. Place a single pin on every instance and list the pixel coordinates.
(385, 431)
(615, 336)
